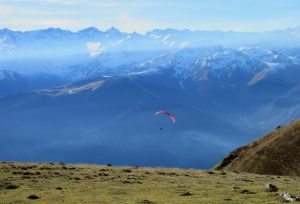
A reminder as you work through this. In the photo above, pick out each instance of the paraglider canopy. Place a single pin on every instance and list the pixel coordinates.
(171, 116)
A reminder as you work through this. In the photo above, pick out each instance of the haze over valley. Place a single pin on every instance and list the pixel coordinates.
(90, 96)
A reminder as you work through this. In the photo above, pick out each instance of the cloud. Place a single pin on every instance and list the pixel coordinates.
(94, 48)
(68, 2)
(107, 4)
(34, 23)
(33, 12)
(142, 16)
(5, 10)
(101, 3)
(125, 22)
(57, 23)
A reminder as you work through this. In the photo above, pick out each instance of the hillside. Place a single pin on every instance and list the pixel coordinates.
(277, 153)
(66, 183)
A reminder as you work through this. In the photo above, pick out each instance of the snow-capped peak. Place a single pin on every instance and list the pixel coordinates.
(112, 31)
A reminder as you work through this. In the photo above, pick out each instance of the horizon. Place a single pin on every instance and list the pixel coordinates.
(144, 33)
(137, 16)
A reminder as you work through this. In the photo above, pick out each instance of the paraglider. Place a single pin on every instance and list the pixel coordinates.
(171, 116)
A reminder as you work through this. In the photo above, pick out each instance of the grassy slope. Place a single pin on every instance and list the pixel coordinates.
(277, 153)
(103, 184)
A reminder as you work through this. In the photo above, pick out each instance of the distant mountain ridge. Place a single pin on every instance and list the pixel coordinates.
(62, 52)
(96, 91)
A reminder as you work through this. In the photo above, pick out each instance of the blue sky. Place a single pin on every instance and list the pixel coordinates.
(144, 15)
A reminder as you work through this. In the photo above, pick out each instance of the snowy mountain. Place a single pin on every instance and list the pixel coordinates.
(60, 52)
(99, 89)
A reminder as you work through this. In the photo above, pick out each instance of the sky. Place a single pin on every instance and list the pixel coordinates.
(145, 15)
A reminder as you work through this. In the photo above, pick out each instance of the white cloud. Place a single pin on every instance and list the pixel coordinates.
(184, 44)
(54, 1)
(34, 23)
(125, 22)
(58, 23)
(65, 1)
(5, 10)
(101, 3)
(107, 4)
(94, 48)
(32, 12)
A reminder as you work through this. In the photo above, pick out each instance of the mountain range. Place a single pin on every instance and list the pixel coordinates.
(90, 96)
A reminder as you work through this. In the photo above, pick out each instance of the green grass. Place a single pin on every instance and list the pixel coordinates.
(103, 184)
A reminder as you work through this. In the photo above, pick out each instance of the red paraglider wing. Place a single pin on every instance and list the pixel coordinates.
(171, 116)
